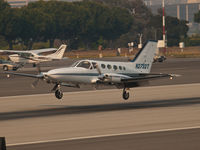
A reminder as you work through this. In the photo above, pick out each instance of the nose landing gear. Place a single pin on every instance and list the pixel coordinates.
(125, 94)
(58, 94)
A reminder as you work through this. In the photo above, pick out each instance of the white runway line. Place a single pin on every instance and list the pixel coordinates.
(106, 135)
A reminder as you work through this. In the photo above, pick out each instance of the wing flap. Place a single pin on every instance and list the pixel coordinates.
(144, 77)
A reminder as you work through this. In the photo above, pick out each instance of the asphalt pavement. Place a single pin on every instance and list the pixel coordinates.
(178, 140)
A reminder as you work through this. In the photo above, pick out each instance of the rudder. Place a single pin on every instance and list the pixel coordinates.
(144, 58)
(59, 53)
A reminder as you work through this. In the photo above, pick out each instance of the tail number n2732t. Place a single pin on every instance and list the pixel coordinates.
(142, 66)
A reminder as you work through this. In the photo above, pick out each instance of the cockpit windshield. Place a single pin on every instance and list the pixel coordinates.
(84, 64)
(74, 64)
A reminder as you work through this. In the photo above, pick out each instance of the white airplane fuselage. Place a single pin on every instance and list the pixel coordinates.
(93, 71)
(90, 75)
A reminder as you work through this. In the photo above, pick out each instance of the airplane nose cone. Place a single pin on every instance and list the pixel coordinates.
(51, 74)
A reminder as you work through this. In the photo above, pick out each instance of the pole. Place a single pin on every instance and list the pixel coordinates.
(164, 37)
(178, 11)
(187, 13)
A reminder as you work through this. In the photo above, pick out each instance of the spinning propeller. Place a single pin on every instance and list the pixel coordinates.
(101, 76)
(35, 83)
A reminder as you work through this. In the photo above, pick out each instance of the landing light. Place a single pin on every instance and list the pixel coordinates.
(8, 76)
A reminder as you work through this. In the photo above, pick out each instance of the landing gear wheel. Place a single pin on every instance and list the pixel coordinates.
(58, 94)
(5, 68)
(125, 95)
(34, 65)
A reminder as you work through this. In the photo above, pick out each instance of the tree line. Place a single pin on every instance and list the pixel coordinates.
(85, 24)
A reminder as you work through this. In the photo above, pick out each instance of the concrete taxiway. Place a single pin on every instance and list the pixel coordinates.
(37, 118)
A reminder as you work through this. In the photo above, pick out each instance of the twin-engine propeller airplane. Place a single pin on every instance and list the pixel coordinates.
(34, 57)
(123, 75)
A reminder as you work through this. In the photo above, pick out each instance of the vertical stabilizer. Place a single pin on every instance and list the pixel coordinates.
(59, 53)
(144, 58)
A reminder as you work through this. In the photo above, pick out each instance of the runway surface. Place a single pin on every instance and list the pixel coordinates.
(91, 113)
(187, 67)
(178, 139)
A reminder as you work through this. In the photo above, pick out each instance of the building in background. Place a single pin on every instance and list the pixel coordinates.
(21, 3)
(182, 9)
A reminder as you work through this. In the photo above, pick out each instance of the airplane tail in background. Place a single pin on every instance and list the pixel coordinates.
(59, 53)
(144, 58)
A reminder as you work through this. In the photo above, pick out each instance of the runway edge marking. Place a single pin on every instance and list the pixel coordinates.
(105, 135)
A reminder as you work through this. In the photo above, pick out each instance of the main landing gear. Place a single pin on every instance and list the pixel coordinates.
(125, 94)
(58, 92)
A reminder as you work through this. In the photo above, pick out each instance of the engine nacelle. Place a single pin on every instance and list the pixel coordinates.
(112, 79)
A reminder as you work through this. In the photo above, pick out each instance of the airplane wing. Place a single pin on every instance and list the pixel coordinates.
(129, 79)
(37, 51)
(14, 51)
(40, 76)
(25, 75)
(144, 77)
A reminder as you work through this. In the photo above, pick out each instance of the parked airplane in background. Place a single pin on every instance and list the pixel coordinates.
(123, 75)
(34, 57)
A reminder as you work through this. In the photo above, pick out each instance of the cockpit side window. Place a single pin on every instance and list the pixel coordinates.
(94, 64)
(25, 54)
(84, 64)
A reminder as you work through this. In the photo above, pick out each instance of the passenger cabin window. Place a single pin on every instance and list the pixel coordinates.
(84, 64)
(103, 66)
(115, 67)
(120, 67)
(124, 68)
(109, 66)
